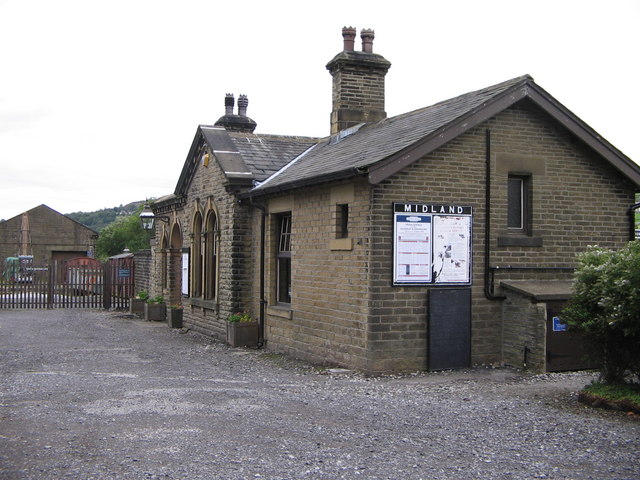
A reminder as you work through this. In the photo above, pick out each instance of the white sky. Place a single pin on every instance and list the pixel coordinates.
(100, 100)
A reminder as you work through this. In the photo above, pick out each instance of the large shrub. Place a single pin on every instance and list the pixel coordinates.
(606, 309)
(126, 232)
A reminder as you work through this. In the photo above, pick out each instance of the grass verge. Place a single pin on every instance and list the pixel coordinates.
(625, 397)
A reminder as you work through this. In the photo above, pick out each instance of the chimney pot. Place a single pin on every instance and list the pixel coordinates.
(367, 36)
(349, 36)
(243, 103)
(228, 104)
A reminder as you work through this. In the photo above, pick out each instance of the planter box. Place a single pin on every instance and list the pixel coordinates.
(242, 334)
(136, 306)
(155, 312)
(174, 319)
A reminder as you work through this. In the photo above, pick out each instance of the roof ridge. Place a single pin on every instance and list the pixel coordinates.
(506, 84)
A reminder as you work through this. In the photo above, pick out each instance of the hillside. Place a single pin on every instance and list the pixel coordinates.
(101, 218)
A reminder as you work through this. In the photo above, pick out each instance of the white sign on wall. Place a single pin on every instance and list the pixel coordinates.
(432, 244)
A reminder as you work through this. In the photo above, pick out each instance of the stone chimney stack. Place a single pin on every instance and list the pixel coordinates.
(358, 82)
(239, 122)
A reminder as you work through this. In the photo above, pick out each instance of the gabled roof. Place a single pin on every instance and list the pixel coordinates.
(45, 208)
(243, 157)
(381, 149)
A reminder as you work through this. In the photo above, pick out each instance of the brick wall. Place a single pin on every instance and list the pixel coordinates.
(577, 201)
(327, 322)
(208, 191)
(142, 273)
(344, 308)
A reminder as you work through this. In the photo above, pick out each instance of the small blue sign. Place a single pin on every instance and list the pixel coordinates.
(559, 325)
(124, 273)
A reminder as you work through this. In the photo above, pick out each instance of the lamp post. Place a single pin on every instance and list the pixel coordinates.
(147, 218)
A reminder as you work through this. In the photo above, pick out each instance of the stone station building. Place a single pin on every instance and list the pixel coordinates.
(444, 237)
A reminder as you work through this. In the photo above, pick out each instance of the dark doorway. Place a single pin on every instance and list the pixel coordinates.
(565, 349)
(449, 328)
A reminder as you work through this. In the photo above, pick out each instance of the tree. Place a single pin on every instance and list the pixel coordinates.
(126, 232)
(606, 309)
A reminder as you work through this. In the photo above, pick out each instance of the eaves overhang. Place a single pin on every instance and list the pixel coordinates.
(527, 89)
(305, 182)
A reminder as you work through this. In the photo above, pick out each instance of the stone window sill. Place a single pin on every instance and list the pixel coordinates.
(341, 244)
(206, 304)
(519, 241)
(280, 311)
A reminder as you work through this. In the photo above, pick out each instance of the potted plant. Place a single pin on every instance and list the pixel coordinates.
(136, 304)
(242, 330)
(155, 310)
(175, 316)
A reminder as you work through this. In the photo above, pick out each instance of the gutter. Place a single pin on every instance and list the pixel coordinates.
(313, 181)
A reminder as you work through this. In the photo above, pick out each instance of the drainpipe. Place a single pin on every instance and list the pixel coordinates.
(263, 302)
(488, 283)
(632, 220)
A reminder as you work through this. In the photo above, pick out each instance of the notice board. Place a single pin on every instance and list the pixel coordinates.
(431, 244)
(449, 328)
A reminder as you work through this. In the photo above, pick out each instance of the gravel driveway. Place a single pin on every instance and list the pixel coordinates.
(99, 395)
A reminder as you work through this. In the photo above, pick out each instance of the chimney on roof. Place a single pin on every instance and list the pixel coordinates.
(243, 103)
(349, 36)
(367, 37)
(228, 104)
(239, 122)
(358, 82)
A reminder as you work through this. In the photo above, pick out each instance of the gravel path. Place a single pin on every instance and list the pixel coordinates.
(99, 395)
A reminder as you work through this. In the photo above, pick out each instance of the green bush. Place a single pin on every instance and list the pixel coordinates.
(606, 309)
(143, 295)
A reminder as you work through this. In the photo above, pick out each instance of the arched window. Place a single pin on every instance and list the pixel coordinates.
(210, 248)
(164, 261)
(196, 257)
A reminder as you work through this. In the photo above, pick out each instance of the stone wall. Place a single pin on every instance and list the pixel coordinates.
(524, 324)
(327, 319)
(208, 192)
(578, 200)
(142, 272)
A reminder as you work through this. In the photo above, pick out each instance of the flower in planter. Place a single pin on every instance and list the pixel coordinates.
(239, 317)
(176, 306)
(158, 299)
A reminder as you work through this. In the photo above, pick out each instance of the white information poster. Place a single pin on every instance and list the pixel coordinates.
(432, 244)
(451, 249)
(413, 248)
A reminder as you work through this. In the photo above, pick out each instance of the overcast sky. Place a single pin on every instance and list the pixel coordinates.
(100, 100)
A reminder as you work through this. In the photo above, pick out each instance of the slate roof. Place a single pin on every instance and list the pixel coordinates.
(242, 156)
(277, 163)
(266, 154)
(383, 148)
